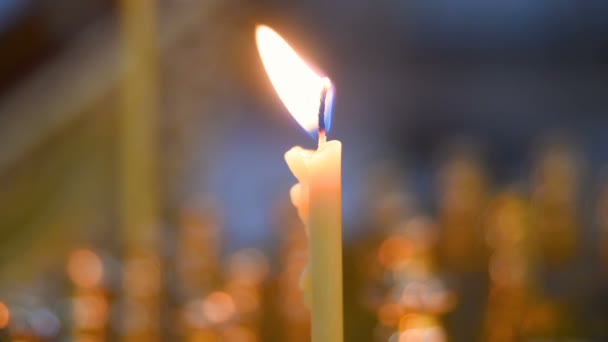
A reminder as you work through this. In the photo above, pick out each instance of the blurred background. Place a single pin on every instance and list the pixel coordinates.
(144, 196)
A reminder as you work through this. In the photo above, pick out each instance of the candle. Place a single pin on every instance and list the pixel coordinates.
(90, 306)
(317, 196)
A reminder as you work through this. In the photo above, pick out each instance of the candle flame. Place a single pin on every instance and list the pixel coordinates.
(296, 83)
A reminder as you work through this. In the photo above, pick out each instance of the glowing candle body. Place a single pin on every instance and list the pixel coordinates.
(318, 199)
(308, 97)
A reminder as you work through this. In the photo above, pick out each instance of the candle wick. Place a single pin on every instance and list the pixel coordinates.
(322, 138)
(322, 99)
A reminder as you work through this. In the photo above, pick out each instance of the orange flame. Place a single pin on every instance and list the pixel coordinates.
(297, 84)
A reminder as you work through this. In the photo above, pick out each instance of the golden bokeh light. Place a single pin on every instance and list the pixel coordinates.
(5, 316)
(219, 307)
(85, 268)
(248, 266)
(420, 328)
(394, 251)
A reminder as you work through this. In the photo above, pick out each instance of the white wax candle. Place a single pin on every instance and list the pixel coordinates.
(318, 199)
(318, 194)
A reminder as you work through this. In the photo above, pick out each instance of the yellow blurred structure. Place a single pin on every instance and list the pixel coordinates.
(140, 172)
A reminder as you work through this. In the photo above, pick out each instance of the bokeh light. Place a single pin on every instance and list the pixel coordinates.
(85, 268)
(5, 315)
(218, 307)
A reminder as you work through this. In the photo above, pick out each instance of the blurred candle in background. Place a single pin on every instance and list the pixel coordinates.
(139, 166)
(317, 196)
(90, 307)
